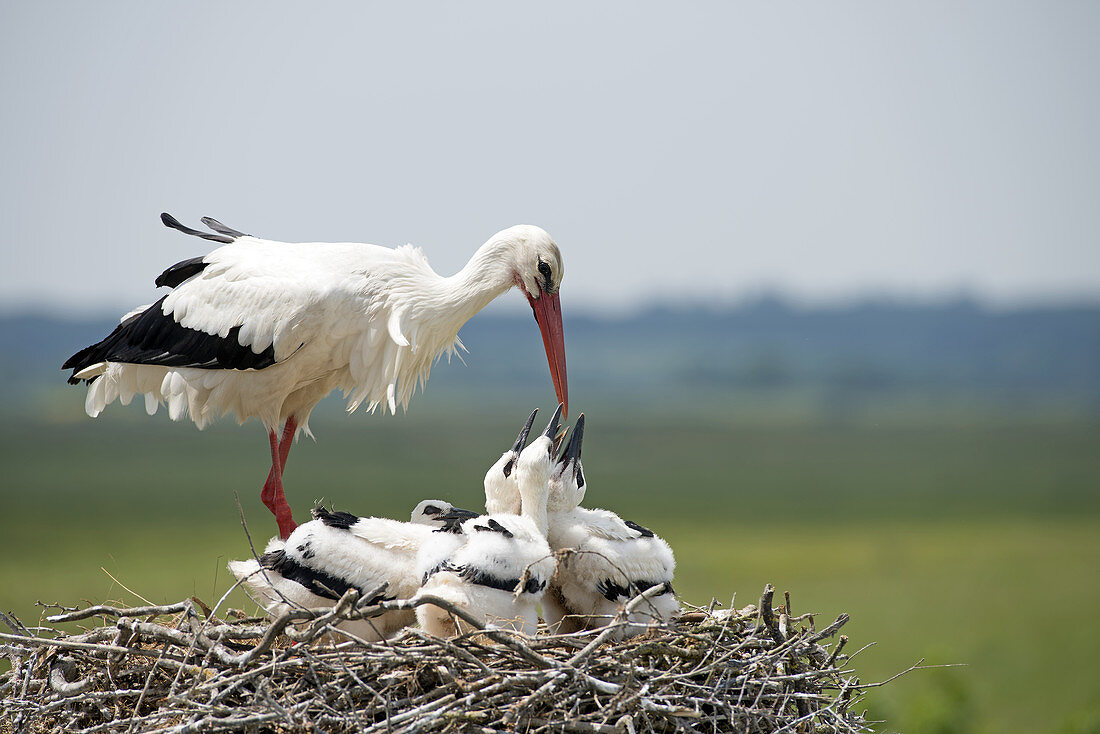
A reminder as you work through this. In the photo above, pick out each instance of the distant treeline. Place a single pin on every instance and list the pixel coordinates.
(1029, 355)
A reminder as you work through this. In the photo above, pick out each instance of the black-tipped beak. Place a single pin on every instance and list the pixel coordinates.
(452, 519)
(573, 448)
(521, 442)
(457, 513)
(554, 427)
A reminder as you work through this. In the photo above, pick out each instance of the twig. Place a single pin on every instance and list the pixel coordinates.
(15, 625)
(124, 586)
(151, 669)
(110, 611)
(831, 630)
(836, 651)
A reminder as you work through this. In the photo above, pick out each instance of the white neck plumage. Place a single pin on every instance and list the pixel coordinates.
(427, 310)
(454, 300)
(533, 487)
(533, 507)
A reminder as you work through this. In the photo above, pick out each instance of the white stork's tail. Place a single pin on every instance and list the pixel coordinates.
(220, 228)
(224, 234)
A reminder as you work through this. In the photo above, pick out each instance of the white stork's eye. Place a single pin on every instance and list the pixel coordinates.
(547, 279)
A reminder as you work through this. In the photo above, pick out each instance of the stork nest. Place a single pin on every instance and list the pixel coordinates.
(180, 668)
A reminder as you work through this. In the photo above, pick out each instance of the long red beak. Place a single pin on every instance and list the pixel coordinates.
(547, 310)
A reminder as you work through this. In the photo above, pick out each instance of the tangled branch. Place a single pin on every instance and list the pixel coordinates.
(178, 668)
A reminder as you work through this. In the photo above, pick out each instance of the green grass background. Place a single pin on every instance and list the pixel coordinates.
(956, 538)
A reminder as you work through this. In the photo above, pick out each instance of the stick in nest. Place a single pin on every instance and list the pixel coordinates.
(161, 669)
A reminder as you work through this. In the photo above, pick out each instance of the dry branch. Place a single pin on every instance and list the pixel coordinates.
(173, 669)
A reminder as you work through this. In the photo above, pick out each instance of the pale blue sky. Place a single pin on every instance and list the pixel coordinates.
(700, 151)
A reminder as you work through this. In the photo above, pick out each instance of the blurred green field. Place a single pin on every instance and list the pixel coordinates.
(957, 541)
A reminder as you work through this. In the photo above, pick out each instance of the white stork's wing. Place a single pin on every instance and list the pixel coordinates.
(273, 295)
(253, 303)
(248, 305)
(391, 534)
(606, 524)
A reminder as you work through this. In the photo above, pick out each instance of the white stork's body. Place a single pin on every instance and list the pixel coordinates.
(609, 568)
(613, 559)
(337, 551)
(265, 329)
(499, 565)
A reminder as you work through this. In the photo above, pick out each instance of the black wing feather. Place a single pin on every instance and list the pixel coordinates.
(646, 532)
(154, 338)
(321, 583)
(612, 591)
(477, 576)
(180, 272)
(170, 221)
(494, 527)
(220, 228)
(338, 520)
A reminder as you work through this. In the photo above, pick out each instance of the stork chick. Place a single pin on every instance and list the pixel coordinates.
(441, 515)
(501, 490)
(612, 560)
(501, 563)
(337, 551)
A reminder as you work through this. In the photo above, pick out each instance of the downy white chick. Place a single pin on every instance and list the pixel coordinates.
(613, 559)
(334, 552)
(440, 515)
(500, 564)
(501, 491)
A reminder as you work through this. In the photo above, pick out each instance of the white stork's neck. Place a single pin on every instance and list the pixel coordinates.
(533, 507)
(533, 478)
(501, 494)
(559, 499)
(488, 274)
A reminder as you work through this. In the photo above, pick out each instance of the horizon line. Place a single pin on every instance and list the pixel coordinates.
(748, 301)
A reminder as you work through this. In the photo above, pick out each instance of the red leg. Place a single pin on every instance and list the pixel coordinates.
(289, 428)
(272, 494)
(267, 496)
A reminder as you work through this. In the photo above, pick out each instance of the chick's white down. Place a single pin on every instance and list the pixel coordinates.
(499, 567)
(611, 559)
(334, 552)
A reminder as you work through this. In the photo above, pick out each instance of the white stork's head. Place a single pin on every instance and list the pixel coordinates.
(441, 515)
(537, 269)
(426, 512)
(537, 264)
(567, 484)
(501, 492)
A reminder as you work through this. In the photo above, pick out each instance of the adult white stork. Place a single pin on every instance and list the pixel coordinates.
(265, 329)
